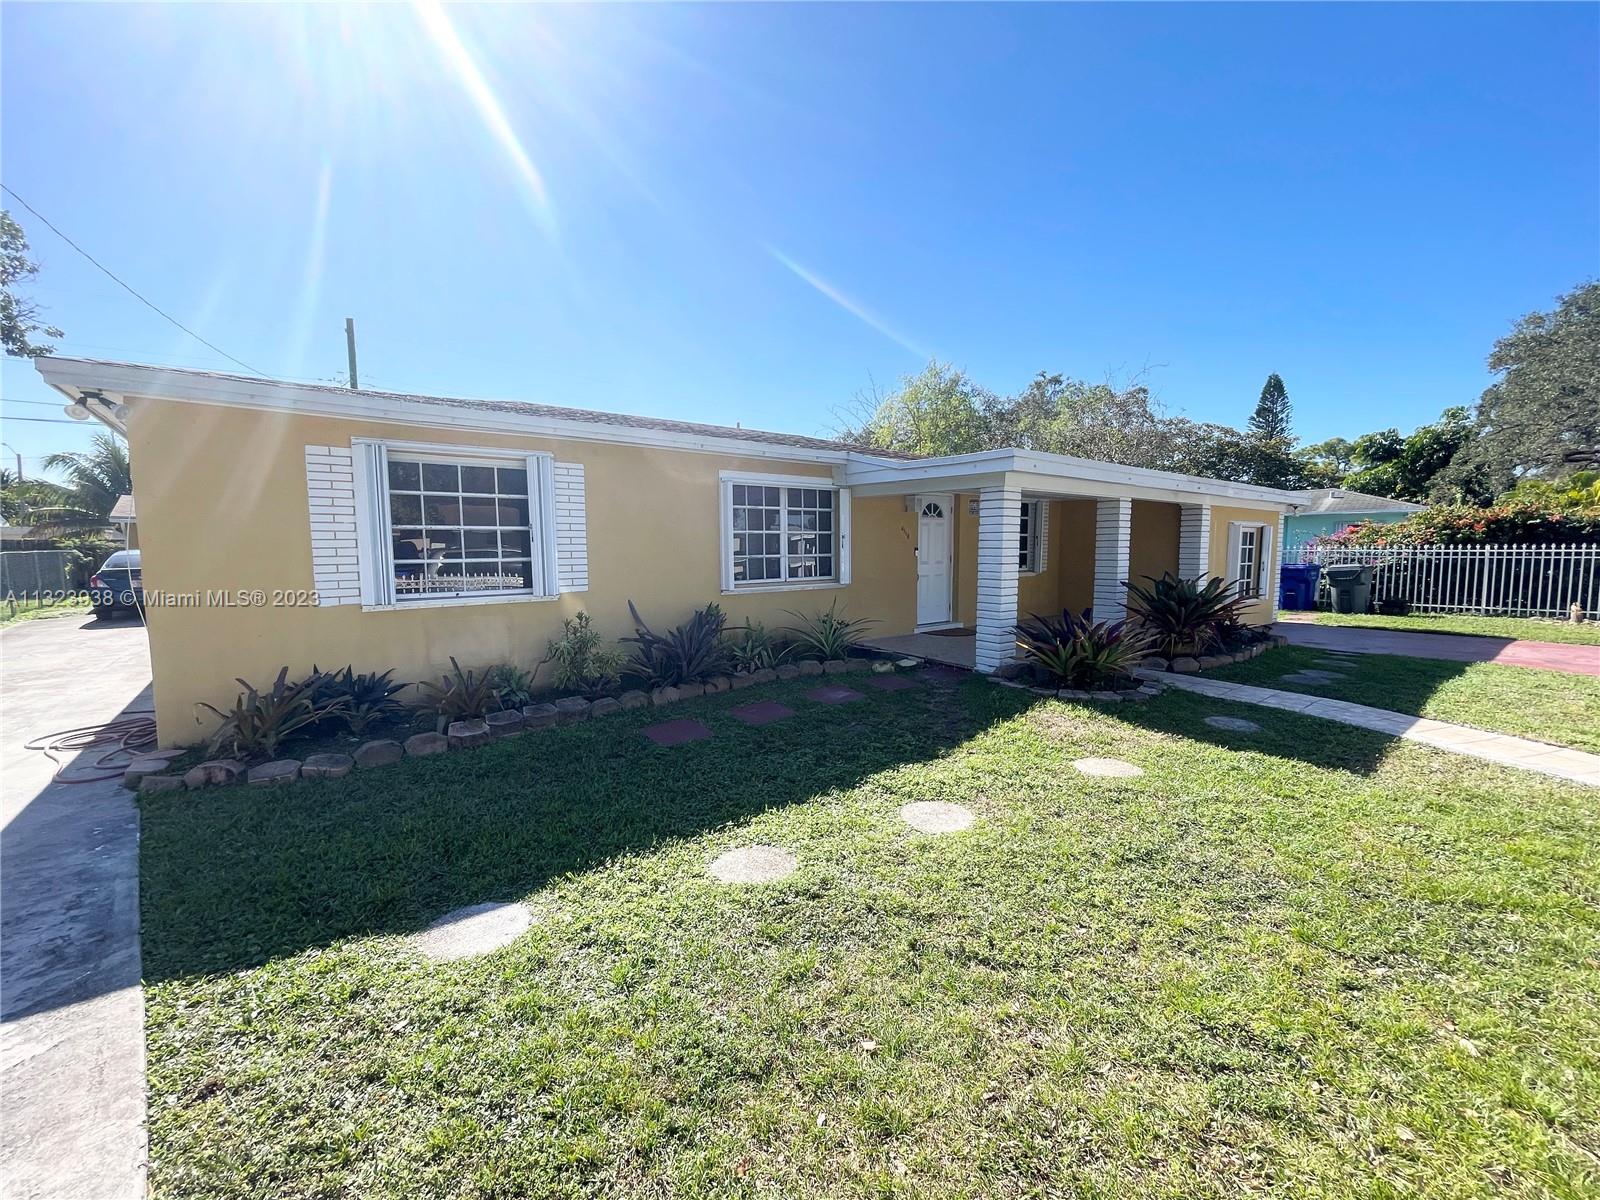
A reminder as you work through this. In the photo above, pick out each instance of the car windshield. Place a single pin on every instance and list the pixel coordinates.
(122, 559)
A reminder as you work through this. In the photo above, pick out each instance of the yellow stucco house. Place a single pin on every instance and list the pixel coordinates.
(292, 524)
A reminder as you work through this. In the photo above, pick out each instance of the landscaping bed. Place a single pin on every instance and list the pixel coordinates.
(1301, 961)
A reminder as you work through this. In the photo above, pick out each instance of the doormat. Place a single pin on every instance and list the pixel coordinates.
(951, 633)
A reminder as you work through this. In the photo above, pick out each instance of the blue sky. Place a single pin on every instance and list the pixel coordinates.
(751, 213)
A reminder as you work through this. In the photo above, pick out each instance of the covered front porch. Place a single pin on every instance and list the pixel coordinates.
(1044, 533)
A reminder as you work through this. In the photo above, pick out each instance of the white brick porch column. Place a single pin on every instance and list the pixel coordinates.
(999, 534)
(1194, 541)
(1113, 532)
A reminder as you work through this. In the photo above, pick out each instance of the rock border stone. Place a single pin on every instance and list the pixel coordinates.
(475, 732)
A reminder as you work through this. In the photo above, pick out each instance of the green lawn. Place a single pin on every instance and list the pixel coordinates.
(1585, 634)
(1310, 962)
(1548, 706)
(13, 611)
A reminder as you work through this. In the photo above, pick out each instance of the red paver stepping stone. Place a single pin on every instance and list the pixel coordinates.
(676, 733)
(889, 683)
(763, 712)
(834, 694)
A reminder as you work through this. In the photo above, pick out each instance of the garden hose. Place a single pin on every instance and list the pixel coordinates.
(120, 742)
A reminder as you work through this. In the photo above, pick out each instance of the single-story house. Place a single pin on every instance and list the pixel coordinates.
(292, 524)
(125, 518)
(1327, 510)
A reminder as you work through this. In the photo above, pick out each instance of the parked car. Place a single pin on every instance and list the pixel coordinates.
(118, 586)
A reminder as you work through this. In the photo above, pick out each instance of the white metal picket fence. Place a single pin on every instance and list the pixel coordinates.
(1516, 581)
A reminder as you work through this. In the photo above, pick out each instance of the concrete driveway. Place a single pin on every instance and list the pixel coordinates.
(1451, 647)
(72, 1038)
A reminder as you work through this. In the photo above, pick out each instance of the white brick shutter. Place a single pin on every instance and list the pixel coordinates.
(331, 496)
(572, 529)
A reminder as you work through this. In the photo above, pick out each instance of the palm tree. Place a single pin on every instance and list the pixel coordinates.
(22, 499)
(94, 482)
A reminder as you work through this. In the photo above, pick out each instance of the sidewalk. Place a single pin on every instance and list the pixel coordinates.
(1451, 647)
(1575, 766)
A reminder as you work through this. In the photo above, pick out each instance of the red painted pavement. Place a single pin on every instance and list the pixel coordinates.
(1548, 656)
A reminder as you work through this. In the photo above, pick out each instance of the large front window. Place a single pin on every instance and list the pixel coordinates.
(1249, 566)
(458, 527)
(780, 534)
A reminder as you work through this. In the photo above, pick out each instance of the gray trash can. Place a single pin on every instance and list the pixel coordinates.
(1351, 587)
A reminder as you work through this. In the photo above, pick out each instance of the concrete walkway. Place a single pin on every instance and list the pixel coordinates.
(72, 1037)
(1451, 647)
(1573, 765)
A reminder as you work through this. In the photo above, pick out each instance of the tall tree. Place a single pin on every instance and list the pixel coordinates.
(939, 411)
(19, 317)
(1546, 403)
(1270, 420)
(1410, 468)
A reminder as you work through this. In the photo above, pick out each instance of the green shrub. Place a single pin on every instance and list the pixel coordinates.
(827, 635)
(512, 684)
(1078, 653)
(686, 653)
(260, 722)
(1185, 616)
(579, 661)
(756, 648)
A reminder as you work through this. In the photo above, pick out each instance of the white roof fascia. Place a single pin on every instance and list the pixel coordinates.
(72, 376)
(1057, 473)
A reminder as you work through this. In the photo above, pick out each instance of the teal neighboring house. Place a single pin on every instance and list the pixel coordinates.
(1328, 510)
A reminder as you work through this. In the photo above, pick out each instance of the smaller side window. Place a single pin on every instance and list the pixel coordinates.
(1030, 560)
(1248, 569)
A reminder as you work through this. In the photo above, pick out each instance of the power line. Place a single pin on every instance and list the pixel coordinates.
(44, 420)
(40, 403)
(126, 287)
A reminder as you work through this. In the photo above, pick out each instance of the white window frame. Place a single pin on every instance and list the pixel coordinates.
(374, 536)
(841, 551)
(1261, 586)
(1036, 544)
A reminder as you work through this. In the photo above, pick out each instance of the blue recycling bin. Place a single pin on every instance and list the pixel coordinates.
(1297, 585)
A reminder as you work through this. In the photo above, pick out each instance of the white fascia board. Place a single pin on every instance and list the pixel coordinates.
(1057, 474)
(71, 375)
(103, 411)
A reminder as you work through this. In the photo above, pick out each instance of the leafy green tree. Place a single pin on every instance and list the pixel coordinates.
(19, 317)
(1546, 403)
(1411, 468)
(21, 499)
(1325, 464)
(1270, 420)
(939, 411)
(94, 481)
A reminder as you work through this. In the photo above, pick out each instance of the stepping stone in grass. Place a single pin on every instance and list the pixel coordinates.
(1233, 724)
(676, 733)
(945, 674)
(1314, 677)
(471, 931)
(764, 712)
(1340, 663)
(889, 683)
(753, 864)
(935, 816)
(834, 694)
(1108, 768)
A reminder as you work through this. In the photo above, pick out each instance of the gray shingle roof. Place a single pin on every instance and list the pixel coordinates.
(554, 412)
(1343, 500)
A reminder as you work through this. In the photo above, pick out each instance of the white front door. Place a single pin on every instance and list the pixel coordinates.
(933, 560)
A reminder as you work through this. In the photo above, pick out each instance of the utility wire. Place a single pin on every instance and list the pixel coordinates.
(40, 403)
(126, 287)
(43, 420)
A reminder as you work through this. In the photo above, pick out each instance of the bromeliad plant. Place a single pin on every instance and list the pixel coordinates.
(259, 722)
(459, 696)
(579, 661)
(828, 634)
(511, 684)
(1078, 653)
(687, 653)
(368, 698)
(1185, 616)
(756, 648)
